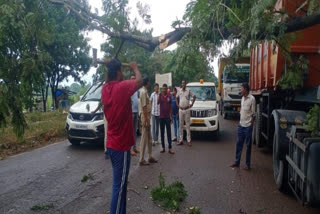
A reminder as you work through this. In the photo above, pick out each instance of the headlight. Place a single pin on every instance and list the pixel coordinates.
(70, 116)
(98, 117)
(212, 112)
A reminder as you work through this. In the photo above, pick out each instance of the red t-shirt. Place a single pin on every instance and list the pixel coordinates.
(165, 105)
(116, 99)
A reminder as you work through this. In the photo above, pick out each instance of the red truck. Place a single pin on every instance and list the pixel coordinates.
(281, 113)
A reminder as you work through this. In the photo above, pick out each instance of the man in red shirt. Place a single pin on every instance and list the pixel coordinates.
(116, 98)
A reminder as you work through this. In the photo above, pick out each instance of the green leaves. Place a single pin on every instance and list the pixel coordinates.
(313, 118)
(169, 196)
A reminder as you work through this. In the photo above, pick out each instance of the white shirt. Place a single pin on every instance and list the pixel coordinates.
(184, 96)
(248, 110)
(155, 106)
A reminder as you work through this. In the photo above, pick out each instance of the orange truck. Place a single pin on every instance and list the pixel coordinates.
(281, 113)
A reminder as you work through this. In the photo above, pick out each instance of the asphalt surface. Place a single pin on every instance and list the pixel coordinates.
(52, 176)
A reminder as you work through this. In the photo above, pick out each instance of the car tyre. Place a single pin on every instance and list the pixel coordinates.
(74, 142)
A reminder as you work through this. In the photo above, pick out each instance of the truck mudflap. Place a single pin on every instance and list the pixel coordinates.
(303, 165)
(283, 122)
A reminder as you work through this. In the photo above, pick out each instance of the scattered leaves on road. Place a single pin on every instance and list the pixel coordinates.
(41, 207)
(193, 210)
(87, 177)
(169, 196)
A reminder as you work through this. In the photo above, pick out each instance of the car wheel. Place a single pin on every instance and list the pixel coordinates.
(74, 142)
(216, 133)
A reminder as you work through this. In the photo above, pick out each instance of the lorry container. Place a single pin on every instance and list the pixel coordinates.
(280, 111)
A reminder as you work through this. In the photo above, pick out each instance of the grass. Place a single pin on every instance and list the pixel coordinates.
(170, 195)
(41, 207)
(43, 128)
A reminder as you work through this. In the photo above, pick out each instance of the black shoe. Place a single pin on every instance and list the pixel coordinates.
(234, 165)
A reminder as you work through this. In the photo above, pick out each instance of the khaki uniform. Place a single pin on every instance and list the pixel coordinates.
(146, 139)
(184, 113)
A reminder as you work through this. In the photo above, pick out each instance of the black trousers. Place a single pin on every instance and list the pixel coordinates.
(165, 123)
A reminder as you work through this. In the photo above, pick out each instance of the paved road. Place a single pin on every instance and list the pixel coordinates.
(52, 175)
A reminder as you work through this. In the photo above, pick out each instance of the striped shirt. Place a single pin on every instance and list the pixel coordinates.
(155, 107)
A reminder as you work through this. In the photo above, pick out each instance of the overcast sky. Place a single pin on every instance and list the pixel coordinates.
(163, 13)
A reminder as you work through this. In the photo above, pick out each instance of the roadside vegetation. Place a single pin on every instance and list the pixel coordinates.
(42, 128)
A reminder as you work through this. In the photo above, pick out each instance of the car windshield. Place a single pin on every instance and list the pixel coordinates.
(94, 93)
(239, 75)
(203, 92)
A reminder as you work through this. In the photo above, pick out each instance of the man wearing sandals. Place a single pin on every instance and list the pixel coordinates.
(146, 139)
(184, 106)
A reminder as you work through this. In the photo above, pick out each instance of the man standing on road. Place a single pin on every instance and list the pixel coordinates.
(155, 113)
(116, 97)
(247, 115)
(164, 101)
(146, 139)
(135, 111)
(184, 106)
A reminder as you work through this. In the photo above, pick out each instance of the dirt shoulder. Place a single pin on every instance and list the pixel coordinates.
(43, 128)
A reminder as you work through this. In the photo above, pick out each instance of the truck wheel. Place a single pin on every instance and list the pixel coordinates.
(74, 142)
(258, 126)
(280, 167)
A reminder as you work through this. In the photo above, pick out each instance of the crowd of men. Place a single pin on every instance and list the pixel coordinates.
(158, 112)
(121, 106)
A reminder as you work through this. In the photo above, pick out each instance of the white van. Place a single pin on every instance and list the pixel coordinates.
(204, 115)
(81, 124)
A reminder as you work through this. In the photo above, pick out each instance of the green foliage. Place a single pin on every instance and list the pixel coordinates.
(40, 45)
(293, 77)
(169, 196)
(41, 207)
(313, 118)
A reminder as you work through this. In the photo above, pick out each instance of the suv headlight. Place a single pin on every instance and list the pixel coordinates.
(70, 116)
(98, 117)
(212, 112)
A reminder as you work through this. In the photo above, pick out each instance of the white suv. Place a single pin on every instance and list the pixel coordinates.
(81, 124)
(204, 116)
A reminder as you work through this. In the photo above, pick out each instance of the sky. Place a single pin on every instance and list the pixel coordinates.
(163, 13)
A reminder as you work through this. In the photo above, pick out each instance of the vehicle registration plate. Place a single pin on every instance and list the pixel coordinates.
(198, 121)
(81, 126)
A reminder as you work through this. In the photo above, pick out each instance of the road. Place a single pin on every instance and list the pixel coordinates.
(52, 175)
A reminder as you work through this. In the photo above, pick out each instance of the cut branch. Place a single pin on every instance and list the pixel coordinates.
(95, 22)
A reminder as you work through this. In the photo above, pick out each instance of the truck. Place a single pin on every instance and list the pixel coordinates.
(231, 75)
(281, 112)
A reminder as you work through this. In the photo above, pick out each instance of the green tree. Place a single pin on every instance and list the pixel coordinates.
(39, 43)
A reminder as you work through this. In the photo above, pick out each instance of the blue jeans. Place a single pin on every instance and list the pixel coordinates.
(155, 127)
(175, 121)
(244, 134)
(120, 167)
